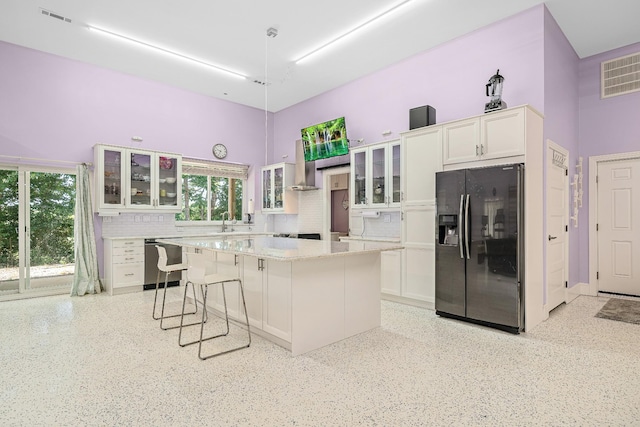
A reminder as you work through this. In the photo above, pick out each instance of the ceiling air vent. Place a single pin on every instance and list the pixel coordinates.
(621, 76)
(55, 15)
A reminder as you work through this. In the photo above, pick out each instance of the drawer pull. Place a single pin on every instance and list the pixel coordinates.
(129, 274)
(129, 250)
(127, 259)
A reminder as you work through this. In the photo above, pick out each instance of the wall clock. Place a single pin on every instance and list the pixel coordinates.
(220, 151)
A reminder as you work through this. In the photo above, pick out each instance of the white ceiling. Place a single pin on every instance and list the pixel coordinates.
(232, 34)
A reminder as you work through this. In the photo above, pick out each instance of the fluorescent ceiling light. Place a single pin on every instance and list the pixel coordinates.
(167, 51)
(351, 31)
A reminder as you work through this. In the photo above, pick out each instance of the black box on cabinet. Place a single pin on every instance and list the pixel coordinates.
(422, 116)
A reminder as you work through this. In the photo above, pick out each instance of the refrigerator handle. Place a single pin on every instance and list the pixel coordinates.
(460, 226)
(466, 226)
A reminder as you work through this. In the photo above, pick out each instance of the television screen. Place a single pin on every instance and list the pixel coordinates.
(324, 140)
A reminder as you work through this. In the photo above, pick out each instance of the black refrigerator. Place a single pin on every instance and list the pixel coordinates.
(479, 246)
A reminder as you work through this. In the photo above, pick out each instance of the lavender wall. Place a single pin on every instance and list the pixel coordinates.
(451, 78)
(607, 126)
(56, 108)
(561, 115)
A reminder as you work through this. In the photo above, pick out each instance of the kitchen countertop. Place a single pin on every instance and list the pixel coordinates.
(370, 239)
(281, 249)
(194, 234)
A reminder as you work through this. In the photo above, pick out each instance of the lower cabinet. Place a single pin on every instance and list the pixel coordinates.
(391, 272)
(418, 237)
(228, 264)
(123, 265)
(267, 291)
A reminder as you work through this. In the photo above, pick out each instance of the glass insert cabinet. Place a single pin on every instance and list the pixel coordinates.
(376, 175)
(136, 180)
(275, 196)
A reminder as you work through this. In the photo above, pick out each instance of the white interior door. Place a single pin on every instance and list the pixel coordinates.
(557, 205)
(619, 226)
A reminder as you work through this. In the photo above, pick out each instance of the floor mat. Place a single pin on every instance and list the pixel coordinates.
(622, 310)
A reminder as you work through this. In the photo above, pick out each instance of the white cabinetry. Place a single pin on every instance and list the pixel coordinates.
(230, 265)
(421, 159)
(275, 196)
(267, 291)
(136, 180)
(461, 141)
(123, 265)
(340, 181)
(494, 135)
(391, 272)
(375, 175)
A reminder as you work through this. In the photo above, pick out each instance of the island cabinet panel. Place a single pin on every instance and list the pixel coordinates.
(276, 299)
(252, 275)
(228, 264)
(361, 293)
(318, 303)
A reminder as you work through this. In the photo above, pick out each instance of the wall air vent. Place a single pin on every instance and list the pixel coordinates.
(620, 76)
(54, 15)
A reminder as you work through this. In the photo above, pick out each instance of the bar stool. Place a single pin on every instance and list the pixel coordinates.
(197, 275)
(168, 269)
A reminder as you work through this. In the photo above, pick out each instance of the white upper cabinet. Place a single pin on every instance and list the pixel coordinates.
(503, 133)
(494, 135)
(136, 180)
(421, 159)
(275, 196)
(155, 180)
(375, 176)
(461, 141)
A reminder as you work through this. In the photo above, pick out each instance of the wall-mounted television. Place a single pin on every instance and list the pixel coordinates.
(324, 140)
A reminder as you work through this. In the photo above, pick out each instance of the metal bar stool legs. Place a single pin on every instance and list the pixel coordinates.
(168, 269)
(198, 266)
(226, 315)
(205, 315)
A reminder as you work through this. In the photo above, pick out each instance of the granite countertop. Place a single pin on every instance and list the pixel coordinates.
(194, 234)
(369, 239)
(281, 249)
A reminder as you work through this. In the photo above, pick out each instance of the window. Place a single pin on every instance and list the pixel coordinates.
(210, 189)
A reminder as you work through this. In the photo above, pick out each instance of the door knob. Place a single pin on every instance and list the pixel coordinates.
(552, 237)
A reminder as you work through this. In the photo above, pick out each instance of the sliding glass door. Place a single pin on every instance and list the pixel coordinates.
(9, 225)
(37, 228)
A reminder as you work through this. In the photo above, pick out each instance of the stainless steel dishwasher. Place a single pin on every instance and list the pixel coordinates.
(174, 256)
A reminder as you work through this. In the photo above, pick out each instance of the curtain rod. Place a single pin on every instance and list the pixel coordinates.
(35, 159)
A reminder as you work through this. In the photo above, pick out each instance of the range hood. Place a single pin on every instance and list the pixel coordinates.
(305, 176)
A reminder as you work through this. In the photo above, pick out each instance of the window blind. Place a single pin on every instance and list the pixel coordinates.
(211, 168)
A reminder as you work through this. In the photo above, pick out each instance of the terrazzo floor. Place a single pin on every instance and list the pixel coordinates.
(101, 360)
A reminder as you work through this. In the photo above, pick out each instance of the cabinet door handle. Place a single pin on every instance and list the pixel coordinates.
(481, 149)
(477, 148)
(235, 259)
(552, 237)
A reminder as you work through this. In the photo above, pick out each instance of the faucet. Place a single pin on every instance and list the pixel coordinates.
(224, 226)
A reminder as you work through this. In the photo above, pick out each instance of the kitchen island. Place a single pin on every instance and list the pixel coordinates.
(300, 294)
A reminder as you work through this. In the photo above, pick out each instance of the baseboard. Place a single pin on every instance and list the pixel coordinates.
(408, 301)
(576, 290)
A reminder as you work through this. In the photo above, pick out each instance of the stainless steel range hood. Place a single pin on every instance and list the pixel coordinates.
(305, 177)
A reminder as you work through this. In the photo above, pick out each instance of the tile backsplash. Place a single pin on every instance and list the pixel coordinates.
(308, 220)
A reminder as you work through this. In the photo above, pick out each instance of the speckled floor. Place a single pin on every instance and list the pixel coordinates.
(100, 360)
